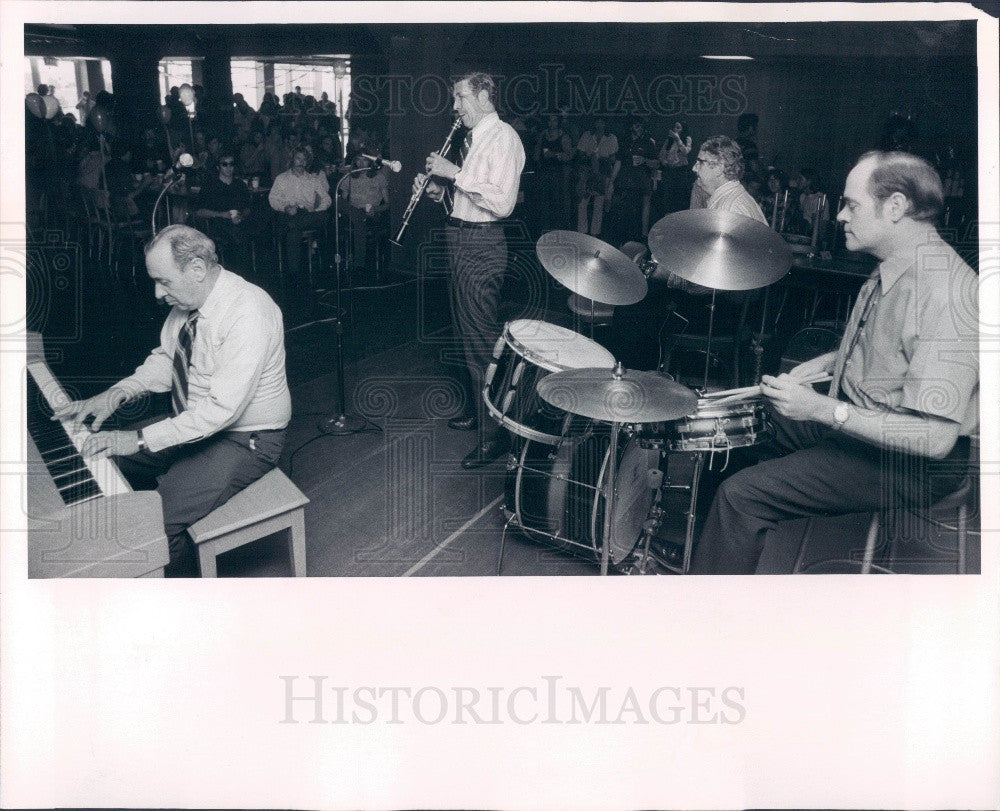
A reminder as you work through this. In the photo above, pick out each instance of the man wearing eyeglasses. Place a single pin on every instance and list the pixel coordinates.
(223, 209)
(719, 168)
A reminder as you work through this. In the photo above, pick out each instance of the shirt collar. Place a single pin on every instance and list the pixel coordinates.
(729, 185)
(218, 295)
(486, 122)
(894, 267)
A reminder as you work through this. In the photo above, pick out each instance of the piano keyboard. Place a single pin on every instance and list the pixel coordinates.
(77, 478)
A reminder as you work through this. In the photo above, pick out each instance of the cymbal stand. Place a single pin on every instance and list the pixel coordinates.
(610, 494)
(708, 347)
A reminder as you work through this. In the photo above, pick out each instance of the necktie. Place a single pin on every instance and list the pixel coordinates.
(466, 146)
(182, 362)
(855, 327)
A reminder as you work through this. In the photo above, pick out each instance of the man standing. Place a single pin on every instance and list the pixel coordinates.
(485, 186)
(302, 198)
(224, 204)
(905, 380)
(222, 358)
(597, 159)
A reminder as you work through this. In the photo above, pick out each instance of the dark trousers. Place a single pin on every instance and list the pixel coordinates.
(233, 244)
(294, 226)
(477, 259)
(194, 479)
(823, 473)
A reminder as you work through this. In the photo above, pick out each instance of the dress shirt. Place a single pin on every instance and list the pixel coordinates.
(486, 185)
(604, 147)
(290, 189)
(363, 191)
(731, 196)
(918, 350)
(236, 380)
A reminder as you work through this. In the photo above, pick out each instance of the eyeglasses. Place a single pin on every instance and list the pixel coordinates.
(705, 161)
(227, 163)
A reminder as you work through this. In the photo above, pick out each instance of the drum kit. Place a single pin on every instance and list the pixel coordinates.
(589, 476)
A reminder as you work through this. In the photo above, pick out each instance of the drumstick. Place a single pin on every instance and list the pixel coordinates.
(750, 391)
(822, 377)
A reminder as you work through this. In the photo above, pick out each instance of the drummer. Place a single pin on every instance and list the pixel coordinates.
(894, 429)
(639, 332)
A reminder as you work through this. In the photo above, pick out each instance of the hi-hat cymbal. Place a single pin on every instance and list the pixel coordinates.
(591, 268)
(718, 249)
(618, 395)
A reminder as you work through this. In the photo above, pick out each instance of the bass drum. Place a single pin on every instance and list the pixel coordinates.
(557, 494)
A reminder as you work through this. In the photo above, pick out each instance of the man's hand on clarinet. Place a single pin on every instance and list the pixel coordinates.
(434, 191)
(440, 167)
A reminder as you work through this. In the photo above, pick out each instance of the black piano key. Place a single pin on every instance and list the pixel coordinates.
(65, 464)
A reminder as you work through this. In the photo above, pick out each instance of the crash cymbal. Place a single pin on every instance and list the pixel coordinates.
(718, 249)
(591, 268)
(618, 395)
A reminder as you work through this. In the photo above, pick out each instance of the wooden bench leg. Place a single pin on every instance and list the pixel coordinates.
(297, 543)
(206, 560)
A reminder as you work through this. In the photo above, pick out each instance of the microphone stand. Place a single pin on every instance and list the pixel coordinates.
(340, 423)
(166, 187)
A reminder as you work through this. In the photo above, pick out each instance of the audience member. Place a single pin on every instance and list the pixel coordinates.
(301, 199)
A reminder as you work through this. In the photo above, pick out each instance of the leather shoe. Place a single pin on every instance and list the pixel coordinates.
(487, 452)
(466, 423)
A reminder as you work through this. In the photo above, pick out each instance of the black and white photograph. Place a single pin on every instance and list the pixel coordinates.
(365, 332)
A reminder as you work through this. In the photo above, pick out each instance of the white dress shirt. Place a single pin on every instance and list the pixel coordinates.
(308, 191)
(731, 196)
(236, 380)
(486, 185)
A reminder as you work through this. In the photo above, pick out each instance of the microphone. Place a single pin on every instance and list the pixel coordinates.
(184, 161)
(394, 166)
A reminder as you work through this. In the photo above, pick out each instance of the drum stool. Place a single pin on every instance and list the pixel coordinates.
(269, 505)
(957, 501)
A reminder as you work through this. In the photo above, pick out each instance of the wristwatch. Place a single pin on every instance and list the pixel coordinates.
(140, 441)
(841, 414)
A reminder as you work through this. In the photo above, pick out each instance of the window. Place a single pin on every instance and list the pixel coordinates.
(176, 71)
(67, 78)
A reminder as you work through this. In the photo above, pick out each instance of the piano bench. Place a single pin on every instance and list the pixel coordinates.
(271, 504)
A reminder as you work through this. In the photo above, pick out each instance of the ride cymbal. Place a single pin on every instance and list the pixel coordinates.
(591, 268)
(718, 249)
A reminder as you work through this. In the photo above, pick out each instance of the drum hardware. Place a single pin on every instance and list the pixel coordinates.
(591, 268)
(616, 398)
(524, 354)
(562, 496)
(719, 250)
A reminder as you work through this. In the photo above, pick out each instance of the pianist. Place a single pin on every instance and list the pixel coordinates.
(222, 358)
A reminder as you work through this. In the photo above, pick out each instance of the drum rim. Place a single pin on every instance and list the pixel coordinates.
(527, 353)
(518, 428)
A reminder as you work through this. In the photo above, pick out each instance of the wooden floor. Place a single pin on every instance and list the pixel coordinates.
(391, 501)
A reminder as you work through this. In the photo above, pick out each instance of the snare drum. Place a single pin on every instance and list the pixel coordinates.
(557, 495)
(525, 353)
(712, 427)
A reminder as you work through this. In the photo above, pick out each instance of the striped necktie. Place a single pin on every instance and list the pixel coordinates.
(182, 362)
(856, 327)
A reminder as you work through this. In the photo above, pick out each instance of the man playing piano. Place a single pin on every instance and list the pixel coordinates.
(222, 358)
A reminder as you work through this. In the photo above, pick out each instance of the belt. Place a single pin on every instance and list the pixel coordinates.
(457, 223)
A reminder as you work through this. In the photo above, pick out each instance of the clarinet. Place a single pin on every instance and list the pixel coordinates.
(419, 191)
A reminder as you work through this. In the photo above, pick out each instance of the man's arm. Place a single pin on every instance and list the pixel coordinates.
(239, 363)
(323, 191)
(278, 197)
(918, 434)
